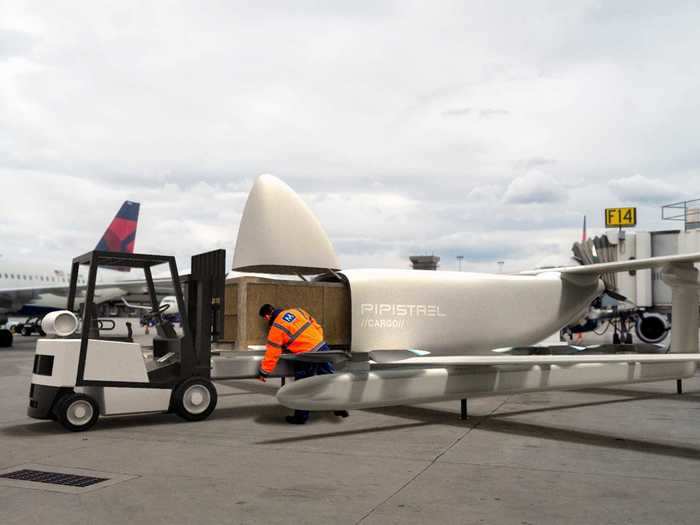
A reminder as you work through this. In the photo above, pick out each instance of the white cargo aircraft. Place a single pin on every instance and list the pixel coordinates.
(422, 336)
(32, 289)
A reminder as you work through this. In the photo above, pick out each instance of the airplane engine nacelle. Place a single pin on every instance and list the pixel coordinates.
(61, 323)
(652, 327)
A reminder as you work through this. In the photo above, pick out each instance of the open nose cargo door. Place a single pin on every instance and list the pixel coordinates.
(279, 234)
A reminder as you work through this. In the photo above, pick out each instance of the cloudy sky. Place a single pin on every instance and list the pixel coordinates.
(483, 129)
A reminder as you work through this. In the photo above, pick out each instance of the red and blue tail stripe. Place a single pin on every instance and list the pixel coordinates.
(121, 233)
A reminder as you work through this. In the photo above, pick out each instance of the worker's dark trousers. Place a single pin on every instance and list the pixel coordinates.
(302, 370)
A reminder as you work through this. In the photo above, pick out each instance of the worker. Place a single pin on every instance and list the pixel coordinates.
(294, 330)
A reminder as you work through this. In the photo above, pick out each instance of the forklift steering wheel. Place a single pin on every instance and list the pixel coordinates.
(154, 313)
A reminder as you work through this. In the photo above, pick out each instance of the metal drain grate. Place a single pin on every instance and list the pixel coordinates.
(54, 478)
(57, 478)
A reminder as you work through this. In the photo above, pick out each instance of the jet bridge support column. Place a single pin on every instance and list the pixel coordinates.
(683, 280)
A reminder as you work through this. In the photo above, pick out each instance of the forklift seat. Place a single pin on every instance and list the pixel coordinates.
(165, 329)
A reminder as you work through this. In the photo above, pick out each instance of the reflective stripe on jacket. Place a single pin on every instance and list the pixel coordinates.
(293, 330)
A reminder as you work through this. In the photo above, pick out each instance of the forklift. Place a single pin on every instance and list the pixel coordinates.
(81, 375)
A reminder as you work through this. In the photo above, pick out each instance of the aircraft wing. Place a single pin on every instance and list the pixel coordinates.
(619, 266)
(533, 360)
(594, 354)
(417, 380)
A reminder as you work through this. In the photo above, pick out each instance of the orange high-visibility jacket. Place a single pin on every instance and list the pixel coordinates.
(293, 330)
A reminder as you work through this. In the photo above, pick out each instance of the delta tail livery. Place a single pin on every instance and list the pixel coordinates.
(121, 233)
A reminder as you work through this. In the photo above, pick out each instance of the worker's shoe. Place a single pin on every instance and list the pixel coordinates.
(341, 413)
(295, 420)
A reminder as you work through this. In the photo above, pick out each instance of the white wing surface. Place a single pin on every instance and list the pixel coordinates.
(620, 266)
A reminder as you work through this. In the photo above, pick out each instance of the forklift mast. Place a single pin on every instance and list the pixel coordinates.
(204, 289)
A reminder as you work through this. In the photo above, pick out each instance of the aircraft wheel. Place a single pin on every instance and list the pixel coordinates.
(5, 339)
(194, 399)
(26, 331)
(77, 412)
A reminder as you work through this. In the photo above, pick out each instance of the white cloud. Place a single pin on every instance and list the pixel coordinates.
(401, 124)
(534, 188)
(639, 188)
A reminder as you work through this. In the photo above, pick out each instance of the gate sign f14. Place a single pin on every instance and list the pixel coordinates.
(619, 217)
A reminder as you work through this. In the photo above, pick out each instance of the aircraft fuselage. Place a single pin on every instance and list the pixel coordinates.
(455, 313)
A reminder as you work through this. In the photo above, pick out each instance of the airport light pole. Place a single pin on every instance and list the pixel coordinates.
(460, 258)
(500, 266)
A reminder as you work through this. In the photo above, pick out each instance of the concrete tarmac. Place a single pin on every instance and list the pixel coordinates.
(602, 455)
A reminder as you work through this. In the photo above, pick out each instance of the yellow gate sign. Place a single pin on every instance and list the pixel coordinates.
(615, 217)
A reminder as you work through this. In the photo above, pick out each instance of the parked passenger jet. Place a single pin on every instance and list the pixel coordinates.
(28, 288)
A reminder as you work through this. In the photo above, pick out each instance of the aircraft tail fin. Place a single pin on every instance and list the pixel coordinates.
(120, 235)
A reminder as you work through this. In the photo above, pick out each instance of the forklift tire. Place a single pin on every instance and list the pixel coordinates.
(5, 339)
(76, 412)
(194, 399)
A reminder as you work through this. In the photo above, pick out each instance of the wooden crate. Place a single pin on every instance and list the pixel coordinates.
(328, 303)
(231, 312)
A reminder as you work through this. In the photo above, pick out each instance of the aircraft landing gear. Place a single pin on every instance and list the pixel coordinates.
(463, 409)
